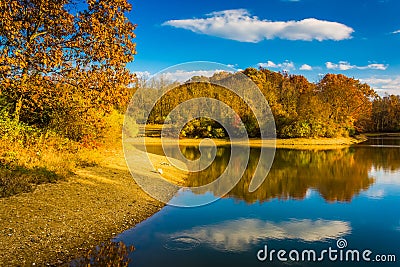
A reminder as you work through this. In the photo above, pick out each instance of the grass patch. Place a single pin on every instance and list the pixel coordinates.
(31, 156)
(16, 180)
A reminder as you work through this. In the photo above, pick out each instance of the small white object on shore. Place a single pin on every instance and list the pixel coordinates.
(160, 171)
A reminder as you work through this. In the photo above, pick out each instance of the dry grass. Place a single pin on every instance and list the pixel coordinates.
(29, 157)
(24, 167)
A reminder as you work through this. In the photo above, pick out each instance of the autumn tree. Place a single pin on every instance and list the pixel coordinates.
(335, 106)
(348, 100)
(64, 54)
(386, 114)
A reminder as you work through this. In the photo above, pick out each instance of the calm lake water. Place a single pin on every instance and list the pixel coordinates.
(309, 201)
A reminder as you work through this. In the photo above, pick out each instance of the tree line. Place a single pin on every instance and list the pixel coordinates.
(334, 106)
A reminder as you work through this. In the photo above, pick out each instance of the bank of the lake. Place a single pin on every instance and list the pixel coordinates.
(293, 143)
(59, 222)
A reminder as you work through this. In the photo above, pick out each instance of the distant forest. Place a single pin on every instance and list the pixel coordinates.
(335, 106)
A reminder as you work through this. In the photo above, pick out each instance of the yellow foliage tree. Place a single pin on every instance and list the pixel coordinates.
(55, 51)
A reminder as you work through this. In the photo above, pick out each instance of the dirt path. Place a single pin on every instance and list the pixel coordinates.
(58, 222)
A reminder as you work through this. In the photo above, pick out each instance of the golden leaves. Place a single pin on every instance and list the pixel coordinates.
(45, 49)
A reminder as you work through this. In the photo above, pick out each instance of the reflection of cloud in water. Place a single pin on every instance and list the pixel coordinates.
(384, 181)
(309, 193)
(239, 235)
(375, 193)
(386, 177)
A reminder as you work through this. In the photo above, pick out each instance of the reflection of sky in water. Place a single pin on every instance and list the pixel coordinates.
(386, 183)
(186, 198)
(239, 235)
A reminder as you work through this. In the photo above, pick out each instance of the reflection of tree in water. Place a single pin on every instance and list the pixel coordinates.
(337, 175)
(386, 158)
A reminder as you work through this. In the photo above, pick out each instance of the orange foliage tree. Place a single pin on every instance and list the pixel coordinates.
(348, 100)
(62, 57)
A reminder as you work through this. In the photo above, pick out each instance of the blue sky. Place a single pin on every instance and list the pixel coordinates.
(358, 38)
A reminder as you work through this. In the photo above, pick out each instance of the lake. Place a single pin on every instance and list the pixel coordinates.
(341, 204)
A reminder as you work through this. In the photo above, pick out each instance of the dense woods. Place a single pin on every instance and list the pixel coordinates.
(386, 114)
(334, 106)
(63, 71)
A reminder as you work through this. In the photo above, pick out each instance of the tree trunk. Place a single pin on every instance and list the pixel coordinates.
(17, 111)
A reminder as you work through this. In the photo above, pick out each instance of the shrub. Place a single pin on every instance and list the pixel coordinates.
(202, 128)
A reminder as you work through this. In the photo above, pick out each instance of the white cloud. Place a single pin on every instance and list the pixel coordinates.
(239, 235)
(183, 75)
(396, 32)
(232, 66)
(145, 75)
(269, 64)
(375, 66)
(344, 65)
(389, 85)
(239, 25)
(330, 65)
(285, 66)
(306, 67)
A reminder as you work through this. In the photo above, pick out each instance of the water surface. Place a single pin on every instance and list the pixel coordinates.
(309, 200)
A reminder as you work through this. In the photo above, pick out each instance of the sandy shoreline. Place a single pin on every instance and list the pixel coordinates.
(295, 143)
(59, 222)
